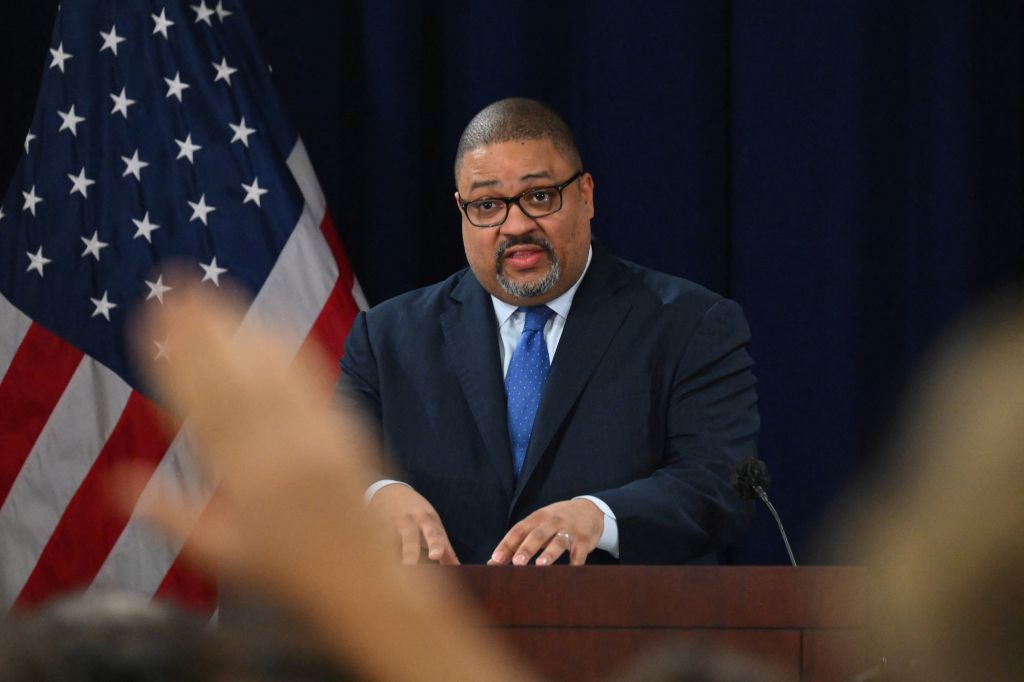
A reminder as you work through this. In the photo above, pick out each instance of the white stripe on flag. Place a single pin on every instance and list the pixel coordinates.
(14, 325)
(302, 168)
(62, 456)
(357, 294)
(293, 296)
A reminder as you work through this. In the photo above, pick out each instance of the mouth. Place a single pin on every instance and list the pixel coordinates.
(526, 266)
(523, 257)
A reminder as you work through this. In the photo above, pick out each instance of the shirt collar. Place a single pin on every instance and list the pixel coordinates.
(561, 304)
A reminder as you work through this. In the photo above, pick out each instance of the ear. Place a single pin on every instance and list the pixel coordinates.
(458, 201)
(587, 190)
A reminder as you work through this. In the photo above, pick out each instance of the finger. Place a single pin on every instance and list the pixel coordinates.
(449, 558)
(411, 547)
(502, 554)
(556, 548)
(436, 539)
(577, 555)
(535, 539)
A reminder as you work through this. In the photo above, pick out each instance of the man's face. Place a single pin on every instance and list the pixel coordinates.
(526, 261)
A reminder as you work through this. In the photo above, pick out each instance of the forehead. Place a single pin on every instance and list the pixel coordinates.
(512, 164)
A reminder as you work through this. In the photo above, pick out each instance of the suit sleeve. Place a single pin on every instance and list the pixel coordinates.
(687, 509)
(359, 380)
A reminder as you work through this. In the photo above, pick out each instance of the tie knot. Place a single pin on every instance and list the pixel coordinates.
(536, 317)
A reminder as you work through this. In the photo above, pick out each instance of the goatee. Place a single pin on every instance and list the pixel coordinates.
(527, 289)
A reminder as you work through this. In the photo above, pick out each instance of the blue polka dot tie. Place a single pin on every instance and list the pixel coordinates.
(524, 381)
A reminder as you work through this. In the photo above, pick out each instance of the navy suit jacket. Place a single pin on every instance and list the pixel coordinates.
(648, 405)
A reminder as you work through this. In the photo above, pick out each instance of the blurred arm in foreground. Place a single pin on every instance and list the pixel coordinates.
(288, 518)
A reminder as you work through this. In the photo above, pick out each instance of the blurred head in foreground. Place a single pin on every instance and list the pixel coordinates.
(942, 534)
(105, 636)
(114, 636)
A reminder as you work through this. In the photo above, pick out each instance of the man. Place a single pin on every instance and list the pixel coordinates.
(551, 398)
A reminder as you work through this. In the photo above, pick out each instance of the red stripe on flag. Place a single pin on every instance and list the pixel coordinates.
(38, 374)
(335, 319)
(189, 587)
(91, 525)
(332, 326)
(340, 257)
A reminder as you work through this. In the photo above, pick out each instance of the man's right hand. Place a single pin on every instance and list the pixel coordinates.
(416, 522)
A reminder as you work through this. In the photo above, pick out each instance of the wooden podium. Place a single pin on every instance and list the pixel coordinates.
(582, 623)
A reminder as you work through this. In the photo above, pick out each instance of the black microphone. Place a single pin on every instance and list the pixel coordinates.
(750, 480)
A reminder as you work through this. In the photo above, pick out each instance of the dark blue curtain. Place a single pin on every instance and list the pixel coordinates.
(850, 172)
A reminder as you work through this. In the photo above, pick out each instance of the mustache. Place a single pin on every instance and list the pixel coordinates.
(522, 240)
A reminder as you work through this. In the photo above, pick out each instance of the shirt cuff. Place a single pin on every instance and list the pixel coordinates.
(609, 541)
(372, 490)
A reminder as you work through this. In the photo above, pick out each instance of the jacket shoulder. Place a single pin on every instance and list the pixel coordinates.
(668, 290)
(419, 303)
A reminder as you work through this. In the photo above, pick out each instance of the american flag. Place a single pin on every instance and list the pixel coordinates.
(157, 136)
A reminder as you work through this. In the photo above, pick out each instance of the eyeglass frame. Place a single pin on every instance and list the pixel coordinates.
(508, 201)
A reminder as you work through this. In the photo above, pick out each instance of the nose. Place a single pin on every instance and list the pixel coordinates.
(517, 222)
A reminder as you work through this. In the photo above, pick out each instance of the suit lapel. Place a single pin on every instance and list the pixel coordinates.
(471, 338)
(594, 318)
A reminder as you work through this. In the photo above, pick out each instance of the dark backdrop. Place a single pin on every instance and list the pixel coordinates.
(850, 172)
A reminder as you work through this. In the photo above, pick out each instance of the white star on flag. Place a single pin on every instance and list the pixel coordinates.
(253, 192)
(224, 71)
(2, 214)
(242, 133)
(59, 57)
(213, 272)
(31, 199)
(203, 13)
(71, 121)
(175, 86)
(38, 260)
(111, 40)
(28, 138)
(200, 210)
(133, 165)
(162, 23)
(80, 183)
(103, 306)
(121, 104)
(157, 289)
(145, 228)
(93, 245)
(187, 149)
(222, 13)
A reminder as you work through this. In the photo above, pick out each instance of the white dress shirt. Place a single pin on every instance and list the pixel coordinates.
(510, 327)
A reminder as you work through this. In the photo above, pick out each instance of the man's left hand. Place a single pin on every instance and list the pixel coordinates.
(573, 525)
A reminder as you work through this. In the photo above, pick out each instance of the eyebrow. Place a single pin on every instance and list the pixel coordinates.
(482, 183)
(539, 175)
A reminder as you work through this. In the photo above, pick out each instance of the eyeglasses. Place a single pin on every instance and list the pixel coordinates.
(535, 202)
